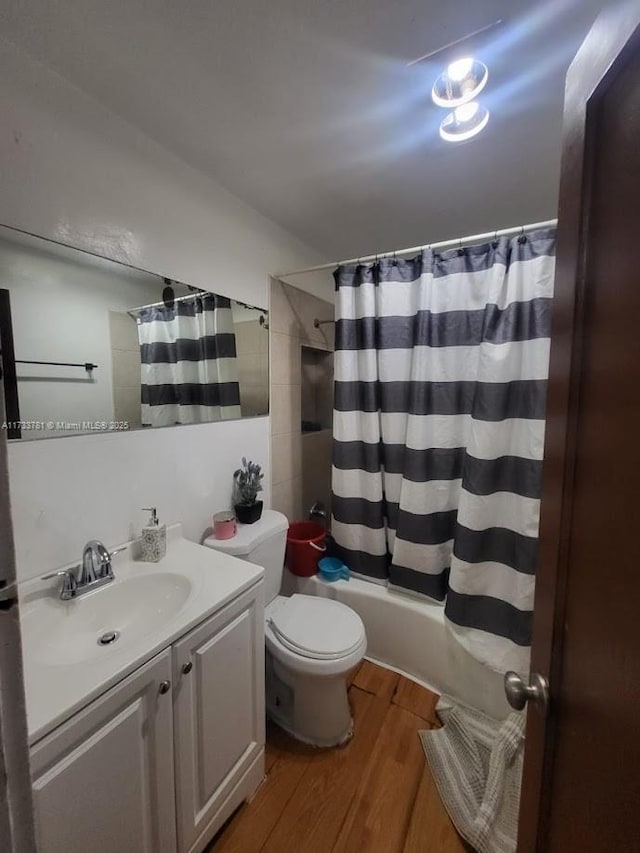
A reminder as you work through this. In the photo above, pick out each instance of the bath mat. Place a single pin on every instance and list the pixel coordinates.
(476, 763)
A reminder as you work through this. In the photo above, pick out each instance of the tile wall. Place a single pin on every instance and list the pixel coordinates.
(252, 344)
(125, 368)
(291, 321)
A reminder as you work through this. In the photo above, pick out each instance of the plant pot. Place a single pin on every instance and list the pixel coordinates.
(248, 513)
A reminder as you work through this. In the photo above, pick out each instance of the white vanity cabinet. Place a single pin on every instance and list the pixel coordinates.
(104, 780)
(159, 762)
(218, 717)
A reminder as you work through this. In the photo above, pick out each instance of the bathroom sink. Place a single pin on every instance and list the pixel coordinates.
(67, 632)
(139, 614)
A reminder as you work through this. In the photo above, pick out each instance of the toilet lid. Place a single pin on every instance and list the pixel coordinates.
(317, 627)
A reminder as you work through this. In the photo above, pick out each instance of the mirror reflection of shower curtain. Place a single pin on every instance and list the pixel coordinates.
(189, 368)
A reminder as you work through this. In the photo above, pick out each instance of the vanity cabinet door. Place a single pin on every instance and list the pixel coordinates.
(218, 717)
(104, 780)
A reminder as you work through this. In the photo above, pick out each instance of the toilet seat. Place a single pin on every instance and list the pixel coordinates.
(317, 628)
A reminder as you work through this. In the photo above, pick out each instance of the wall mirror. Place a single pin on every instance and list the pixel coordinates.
(89, 345)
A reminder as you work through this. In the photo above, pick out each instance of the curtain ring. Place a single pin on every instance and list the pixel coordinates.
(168, 294)
(460, 249)
(495, 239)
(523, 237)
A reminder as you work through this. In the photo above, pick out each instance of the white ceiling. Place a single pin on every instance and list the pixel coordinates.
(306, 109)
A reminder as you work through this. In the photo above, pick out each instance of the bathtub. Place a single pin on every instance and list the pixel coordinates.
(411, 637)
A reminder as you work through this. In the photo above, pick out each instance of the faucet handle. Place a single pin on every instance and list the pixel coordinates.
(117, 551)
(69, 585)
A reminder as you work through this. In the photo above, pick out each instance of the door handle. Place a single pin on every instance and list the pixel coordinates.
(519, 693)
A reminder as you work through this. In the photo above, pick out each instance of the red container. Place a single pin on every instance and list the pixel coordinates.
(305, 545)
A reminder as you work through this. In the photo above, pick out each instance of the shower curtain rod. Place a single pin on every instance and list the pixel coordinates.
(444, 244)
(132, 311)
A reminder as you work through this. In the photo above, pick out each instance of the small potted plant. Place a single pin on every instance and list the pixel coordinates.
(246, 485)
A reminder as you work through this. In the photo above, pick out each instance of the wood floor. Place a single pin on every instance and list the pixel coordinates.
(374, 795)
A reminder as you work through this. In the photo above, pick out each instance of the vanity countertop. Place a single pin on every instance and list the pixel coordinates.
(150, 605)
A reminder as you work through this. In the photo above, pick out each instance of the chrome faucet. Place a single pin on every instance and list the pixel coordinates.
(96, 563)
(95, 570)
(318, 511)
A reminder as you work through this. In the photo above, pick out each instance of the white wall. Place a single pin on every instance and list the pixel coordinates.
(65, 491)
(74, 172)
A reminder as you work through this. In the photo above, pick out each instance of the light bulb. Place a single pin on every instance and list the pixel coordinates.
(466, 112)
(464, 123)
(462, 81)
(459, 69)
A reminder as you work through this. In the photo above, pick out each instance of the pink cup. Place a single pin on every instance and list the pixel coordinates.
(224, 525)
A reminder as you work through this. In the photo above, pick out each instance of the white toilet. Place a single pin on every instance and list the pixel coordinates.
(312, 643)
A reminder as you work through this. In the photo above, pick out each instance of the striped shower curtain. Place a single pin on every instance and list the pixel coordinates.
(441, 366)
(189, 370)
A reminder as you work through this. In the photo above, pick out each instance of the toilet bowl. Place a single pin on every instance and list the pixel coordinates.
(312, 643)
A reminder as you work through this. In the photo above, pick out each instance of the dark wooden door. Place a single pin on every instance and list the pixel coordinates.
(581, 785)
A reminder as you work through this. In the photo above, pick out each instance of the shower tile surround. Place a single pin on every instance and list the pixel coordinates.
(252, 344)
(125, 374)
(317, 408)
(291, 321)
(316, 469)
(317, 386)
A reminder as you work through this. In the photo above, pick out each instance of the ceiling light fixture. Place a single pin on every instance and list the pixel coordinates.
(466, 112)
(460, 69)
(462, 81)
(465, 122)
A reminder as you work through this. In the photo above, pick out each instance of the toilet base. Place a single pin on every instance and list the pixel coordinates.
(312, 709)
(282, 723)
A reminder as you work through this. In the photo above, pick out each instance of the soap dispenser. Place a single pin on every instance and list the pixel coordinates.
(154, 538)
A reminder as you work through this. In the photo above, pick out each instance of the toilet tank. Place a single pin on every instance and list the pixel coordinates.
(262, 543)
